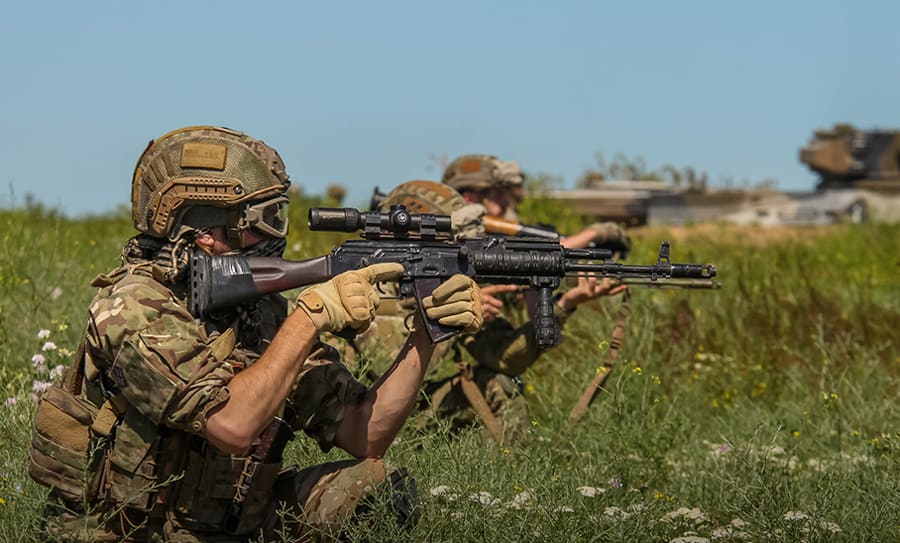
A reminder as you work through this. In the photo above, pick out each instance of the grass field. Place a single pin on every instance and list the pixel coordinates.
(764, 411)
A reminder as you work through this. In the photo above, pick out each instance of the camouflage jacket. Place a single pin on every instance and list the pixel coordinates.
(167, 371)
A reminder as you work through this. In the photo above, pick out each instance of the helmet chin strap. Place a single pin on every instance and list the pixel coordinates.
(232, 230)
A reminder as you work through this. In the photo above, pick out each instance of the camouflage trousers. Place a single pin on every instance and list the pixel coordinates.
(311, 504)
(445, 400)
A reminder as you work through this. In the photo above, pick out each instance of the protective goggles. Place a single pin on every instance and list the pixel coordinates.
(269, 217)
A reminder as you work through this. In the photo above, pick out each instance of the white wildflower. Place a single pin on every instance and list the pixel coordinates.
(11, 401)
(43, 333)
(615, 483)
(590, 491)
(616, 512)
(55, 293)
(49, 346)
(795, 515)
(728, 533)
(40, 386)
(521, 499)
(57, 372)
(484, 498)
(445, 491)
(37, 360)
(830, 526)
(694, 515)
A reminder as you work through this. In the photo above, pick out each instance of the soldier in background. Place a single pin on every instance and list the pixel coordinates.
(476, 377)
(170, 426)
(498, 185)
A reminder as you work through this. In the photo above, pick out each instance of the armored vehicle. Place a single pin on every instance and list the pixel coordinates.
(859, 180)
(848, 158)
(859, 166)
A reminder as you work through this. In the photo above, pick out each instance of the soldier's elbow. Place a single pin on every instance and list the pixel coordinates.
(228, 438)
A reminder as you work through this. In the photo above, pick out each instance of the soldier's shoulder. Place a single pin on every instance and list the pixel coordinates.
(131, 300)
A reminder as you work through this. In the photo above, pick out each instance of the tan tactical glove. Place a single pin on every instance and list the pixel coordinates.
(456, 302)
(611, 232)
(348, 299)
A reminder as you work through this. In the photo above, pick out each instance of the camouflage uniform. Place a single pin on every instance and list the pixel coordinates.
(142, 343)
(123, 443)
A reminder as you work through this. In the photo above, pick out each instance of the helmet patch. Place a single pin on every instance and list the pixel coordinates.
(209, 156)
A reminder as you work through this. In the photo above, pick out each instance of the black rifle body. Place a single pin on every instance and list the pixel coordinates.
(221, 281)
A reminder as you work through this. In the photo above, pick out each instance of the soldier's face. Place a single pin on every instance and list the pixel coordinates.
(495, 201)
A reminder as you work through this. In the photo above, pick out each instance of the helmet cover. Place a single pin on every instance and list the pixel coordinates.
(204, 176)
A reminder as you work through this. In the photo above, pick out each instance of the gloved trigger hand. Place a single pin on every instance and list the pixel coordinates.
(456, 302)
(348, 299)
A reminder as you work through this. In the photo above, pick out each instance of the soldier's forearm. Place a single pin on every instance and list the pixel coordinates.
(368, 429)
(258, 392)
(579, 240)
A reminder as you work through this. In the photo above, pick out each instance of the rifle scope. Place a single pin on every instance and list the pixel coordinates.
(396, 222)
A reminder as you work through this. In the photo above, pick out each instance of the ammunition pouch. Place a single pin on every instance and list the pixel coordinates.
(254, 509)
(65, 454)
(203, 498)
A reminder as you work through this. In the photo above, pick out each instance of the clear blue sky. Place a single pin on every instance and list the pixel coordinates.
(361, 92)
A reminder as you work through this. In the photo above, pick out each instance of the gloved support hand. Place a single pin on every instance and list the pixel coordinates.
(348, 299)
(456, 302)
(611, 232)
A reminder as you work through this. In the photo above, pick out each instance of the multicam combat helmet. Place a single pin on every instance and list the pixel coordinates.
(204, 176)
(480, 172)
(420, 196)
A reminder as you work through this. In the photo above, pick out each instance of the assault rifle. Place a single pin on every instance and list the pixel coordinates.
(422, 244)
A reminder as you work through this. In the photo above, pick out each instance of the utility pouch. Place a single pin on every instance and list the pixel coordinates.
(254, 508)
(62, 456)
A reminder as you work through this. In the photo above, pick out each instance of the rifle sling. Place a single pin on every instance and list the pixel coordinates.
(480, 405)
(475, 397)
(602, 374)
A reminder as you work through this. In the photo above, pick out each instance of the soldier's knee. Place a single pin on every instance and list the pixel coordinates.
(398, 494)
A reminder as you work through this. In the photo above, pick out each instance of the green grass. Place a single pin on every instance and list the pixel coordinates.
(764, 411)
